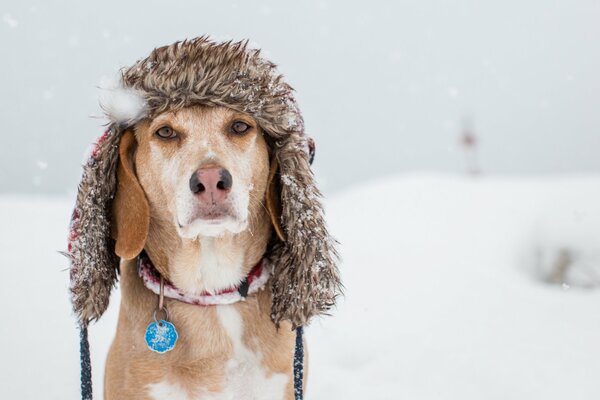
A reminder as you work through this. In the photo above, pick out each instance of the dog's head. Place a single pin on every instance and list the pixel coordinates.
(202, 171)
(250, 153)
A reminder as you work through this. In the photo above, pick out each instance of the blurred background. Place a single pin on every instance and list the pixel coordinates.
(385, 86)
(457, 147)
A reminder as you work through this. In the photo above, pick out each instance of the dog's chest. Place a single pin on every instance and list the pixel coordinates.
(245, 376)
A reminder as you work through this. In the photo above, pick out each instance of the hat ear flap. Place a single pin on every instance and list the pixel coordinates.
(306, 280)
(272, 199)
(91, 249)
(131, 212)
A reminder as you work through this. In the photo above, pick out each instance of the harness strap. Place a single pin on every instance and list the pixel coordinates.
(86, 366)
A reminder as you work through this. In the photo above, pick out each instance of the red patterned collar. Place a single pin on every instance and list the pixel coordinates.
(254, 282)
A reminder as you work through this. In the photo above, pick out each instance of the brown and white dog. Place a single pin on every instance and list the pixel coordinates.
(204, 174)
(201, 241)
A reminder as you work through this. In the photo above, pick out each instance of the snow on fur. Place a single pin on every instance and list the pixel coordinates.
(91, 247)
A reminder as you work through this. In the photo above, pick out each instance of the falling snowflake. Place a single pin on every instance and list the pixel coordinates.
(11, 21)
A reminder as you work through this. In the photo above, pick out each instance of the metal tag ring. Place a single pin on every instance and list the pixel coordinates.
(164, 309)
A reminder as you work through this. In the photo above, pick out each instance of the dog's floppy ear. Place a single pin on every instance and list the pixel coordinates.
(130, 209)
(273, 201)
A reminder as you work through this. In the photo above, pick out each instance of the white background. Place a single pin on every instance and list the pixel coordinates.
(384, 85)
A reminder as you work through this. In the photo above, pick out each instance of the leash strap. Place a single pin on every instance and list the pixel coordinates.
(298, 365)
(86, 366)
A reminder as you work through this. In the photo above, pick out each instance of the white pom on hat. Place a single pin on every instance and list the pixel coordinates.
(121, 105)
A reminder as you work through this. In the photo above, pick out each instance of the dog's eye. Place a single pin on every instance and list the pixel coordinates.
(166, 133)
(240, 127)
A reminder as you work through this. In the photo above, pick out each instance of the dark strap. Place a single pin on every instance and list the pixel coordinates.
(298, 365)
(243, 289)
(86, 366)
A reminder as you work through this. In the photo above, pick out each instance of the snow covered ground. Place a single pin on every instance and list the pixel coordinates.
(445, 296)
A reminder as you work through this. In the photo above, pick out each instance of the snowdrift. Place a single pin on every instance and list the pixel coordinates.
(455, 289)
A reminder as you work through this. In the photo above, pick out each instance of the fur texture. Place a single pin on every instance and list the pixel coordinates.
(305, 281)
(125, 106)
(91, 248)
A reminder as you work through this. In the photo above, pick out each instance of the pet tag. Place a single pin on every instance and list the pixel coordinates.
(161, 336)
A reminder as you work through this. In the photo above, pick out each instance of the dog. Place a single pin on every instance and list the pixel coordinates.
(200, 241)
(200, 197)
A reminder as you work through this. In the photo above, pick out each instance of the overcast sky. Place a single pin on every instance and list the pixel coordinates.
(384, 85)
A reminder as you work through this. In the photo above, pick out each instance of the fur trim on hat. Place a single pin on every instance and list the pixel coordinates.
(91, 248)
(306, 280)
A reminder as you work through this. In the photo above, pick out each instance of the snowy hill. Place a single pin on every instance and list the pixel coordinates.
(446, 294)
(442, 299)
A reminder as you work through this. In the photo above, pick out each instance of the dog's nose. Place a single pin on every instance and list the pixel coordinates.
(211, 184)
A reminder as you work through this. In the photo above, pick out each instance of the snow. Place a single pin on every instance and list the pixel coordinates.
(440, 303)
(444, 294)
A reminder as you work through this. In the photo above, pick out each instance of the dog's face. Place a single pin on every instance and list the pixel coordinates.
(203, 169)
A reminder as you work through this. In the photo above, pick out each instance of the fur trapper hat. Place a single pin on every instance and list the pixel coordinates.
(305, 281)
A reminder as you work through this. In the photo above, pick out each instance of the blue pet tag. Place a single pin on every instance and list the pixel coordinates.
(161, 336)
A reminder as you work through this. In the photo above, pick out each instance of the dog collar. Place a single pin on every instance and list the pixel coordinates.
(254, 282)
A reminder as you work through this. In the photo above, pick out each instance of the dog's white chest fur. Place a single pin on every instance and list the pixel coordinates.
(245, 377)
